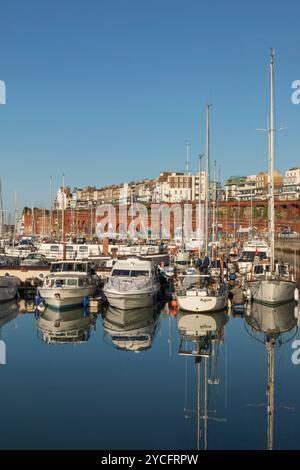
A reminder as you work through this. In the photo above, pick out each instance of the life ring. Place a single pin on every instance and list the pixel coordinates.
(47, 282)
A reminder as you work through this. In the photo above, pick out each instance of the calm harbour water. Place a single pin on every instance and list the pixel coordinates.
(93, 395)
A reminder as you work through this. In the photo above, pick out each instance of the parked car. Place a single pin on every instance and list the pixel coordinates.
(34, 259)
(288, 234)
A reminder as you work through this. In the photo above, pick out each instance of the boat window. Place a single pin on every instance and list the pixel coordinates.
(262, 255)
(182, 263)
(55, 267)
(69, 248)
(54, 248)
(58, 282)
(72, 282)
(139, 273)
(68, 267)
(282, 270)
(258, 269)
(120, 272)
(83, 248)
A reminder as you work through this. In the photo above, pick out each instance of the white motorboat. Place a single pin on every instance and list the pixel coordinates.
(68, 284)
(202, 293)
(133, 283)
(9, 286)
(252, 251)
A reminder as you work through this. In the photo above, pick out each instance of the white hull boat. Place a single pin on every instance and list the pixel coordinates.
(196, 301)
(132, 284)
(68, 284)
(272, 291)
(64, 297)
(132, 300)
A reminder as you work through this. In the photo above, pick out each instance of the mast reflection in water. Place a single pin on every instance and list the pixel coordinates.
(200, 337)
(272, 326)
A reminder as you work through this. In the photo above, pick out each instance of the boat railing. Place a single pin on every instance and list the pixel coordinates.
(130, 283)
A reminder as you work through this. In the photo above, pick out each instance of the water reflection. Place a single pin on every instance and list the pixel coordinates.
(72, 326)
(272, 326)
(8, 312)
(131, 330)
(201, 336)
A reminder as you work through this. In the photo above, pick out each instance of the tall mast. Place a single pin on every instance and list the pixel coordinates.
(63, 217)
(50, 208)
(1, 211)
(207, 180)
(271, 163)
(199, 202)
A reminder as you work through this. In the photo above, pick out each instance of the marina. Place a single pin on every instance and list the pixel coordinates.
(219, 356)
(149, 232)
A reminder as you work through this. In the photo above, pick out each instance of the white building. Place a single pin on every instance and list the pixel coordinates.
(291, 184)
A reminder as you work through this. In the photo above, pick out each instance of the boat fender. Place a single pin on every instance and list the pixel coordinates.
(248, 294)
(296, 311)
(296, 295)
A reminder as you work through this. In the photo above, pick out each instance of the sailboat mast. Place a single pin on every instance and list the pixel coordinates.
(63, 217)
(207, 180)
(271, 164)
(1, 211)
(199, 208)
(50, 208)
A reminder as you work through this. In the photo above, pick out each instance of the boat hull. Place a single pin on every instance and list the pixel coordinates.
(65, 298)
(126, 301)
(271, 291)
(200, 303)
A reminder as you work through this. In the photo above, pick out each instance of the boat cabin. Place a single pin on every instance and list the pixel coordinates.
(72, 267)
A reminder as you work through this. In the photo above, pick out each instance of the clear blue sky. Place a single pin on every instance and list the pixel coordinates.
(109, 90)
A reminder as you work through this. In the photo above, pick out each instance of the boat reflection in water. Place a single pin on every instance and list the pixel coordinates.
(200, 337)
(273, 326)
(72, 326)
(8, 312)
(131, 330)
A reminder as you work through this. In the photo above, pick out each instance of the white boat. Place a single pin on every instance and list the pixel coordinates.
(252, 251)
(67, 327)
(133, 283)
(9, 286)
(68, 283)
(202, 293)
(271, 288)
